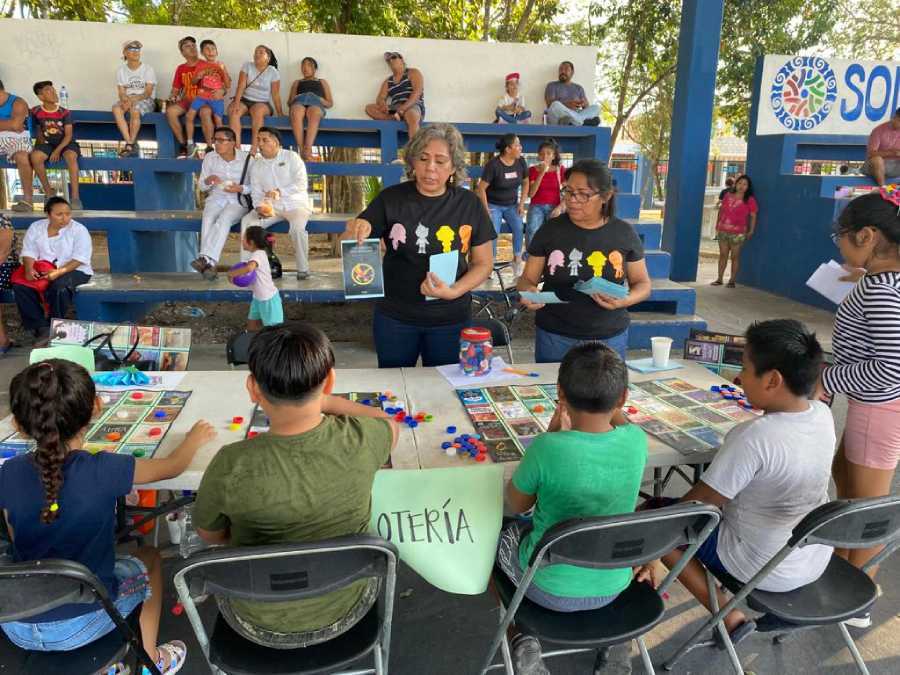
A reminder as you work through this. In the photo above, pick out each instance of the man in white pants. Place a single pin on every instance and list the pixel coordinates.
(279, 189)
(220, 179)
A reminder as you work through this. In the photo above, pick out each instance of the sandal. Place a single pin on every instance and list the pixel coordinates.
(127, 150)
(171, 657)
(730, 284)
(5, 350)
(716, 283)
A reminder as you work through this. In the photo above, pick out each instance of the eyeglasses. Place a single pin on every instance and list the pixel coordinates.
(836, 237)
(221, 140)
(577, 197)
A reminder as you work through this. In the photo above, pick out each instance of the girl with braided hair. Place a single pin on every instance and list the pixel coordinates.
(59, 502)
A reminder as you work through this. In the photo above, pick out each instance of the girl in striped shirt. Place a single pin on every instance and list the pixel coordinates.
(867, 352)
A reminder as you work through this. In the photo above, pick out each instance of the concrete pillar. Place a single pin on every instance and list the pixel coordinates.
(698, 55)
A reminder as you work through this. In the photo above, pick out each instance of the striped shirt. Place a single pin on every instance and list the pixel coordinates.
(400, 90)
(867, 341)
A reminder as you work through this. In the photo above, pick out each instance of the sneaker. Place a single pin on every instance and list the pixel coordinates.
(182, 151)
(135, 151)
(23, 207)
(210, 273)
(199, 263)
(192, 149)
(592, 122)
(302, 276)
(526, 656)
(76, 205)
(566, 121)
(861, 621)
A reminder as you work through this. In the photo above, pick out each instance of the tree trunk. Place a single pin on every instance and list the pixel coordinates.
(486, 31)
(343, 194)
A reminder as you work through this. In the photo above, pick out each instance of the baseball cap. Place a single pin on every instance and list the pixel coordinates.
(392, 55)
(512, 76)
(132, 44)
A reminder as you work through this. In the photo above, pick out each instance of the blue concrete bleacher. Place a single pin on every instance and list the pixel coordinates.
(158, 238)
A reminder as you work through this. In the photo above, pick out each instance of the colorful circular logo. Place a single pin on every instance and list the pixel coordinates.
(362, 274)
(803, 92)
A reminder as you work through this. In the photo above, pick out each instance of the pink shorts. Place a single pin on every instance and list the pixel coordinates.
(872, 434)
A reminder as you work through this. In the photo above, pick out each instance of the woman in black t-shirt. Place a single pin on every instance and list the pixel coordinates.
(587, 241)
(431, 214)
(499, 189)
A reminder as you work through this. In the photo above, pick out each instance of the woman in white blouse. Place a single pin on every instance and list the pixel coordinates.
(258, 93)
(65, 243)
(279, 189)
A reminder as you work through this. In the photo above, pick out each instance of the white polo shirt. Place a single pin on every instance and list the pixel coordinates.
(72, 243)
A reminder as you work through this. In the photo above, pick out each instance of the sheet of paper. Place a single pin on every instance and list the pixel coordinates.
(826, 280)
(455, 376)
(646, 365)
(444, 265)
(544, 297)
(601, 285)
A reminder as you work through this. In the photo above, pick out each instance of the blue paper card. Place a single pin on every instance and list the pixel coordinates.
(601, 285)
(444, 265)
(646, 365)
(543, 297)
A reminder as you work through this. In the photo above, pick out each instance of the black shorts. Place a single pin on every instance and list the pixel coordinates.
(247, 102)
(48, 149)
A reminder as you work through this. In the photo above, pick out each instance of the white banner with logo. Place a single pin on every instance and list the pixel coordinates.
(818, 95)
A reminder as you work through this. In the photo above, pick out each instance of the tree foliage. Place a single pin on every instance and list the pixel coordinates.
(866, 30)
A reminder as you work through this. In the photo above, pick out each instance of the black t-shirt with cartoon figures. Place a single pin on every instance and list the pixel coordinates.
(415, 227)
(572, 254)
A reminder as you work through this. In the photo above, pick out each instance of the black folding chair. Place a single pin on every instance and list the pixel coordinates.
(842, 592)
(32, 588)
(292, 572)
(499, 334)
(608, 542)
(237, 349)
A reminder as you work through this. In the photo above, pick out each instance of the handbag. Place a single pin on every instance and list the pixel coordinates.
(113, 361)
(245, 200)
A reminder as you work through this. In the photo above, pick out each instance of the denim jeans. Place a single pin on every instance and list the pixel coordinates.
(557, 113)
(538, 214)
(523, 116)
(310, 99)
(68, 634)
(399, 344)
(552, 347)
(511, 215)
(59, 295)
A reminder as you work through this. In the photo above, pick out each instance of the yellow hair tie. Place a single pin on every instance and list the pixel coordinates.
(54, 507)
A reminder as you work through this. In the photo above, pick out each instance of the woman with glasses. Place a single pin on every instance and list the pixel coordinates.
(422, 314)
(737, 221)
(221, 177)
(587, 242)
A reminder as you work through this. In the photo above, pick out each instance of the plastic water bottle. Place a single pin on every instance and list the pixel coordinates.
(193, 312)
(64, 96)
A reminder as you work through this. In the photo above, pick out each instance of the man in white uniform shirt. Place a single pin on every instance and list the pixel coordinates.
(220, 179)
(279, 189)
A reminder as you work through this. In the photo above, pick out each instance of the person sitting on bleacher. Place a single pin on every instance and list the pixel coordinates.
(135, 83)
(66, 245)
(55, 140)
(15, 143)
(278, 186)
(566, 101)
(258, 94)
(183, 92)
(220, 178)
(308, 478)
(401, 96)
(9, 261)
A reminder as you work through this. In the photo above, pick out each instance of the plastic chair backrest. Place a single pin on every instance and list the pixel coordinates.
(288, 572)
(237, 351)
(32, 588)
(83, 356)
(626, 540)
(851, 523)
(499, 332)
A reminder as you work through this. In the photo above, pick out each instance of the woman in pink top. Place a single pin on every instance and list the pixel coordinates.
(543, 184)
(737, 221)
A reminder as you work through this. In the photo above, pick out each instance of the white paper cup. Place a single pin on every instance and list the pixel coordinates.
(176, 527)
(661, 347)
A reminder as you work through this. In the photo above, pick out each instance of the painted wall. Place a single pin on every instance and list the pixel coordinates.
(813, 94)
(463, 80)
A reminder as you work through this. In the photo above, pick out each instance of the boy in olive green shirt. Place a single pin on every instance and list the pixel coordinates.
(308, 478)
(589, 464)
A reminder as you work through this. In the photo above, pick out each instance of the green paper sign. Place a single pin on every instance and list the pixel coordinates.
(444, 522)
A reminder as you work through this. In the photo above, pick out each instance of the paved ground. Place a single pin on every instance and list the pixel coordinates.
(442, 634)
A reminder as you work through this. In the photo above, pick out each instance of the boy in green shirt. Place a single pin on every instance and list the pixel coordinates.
(589, 464)
(308, 478)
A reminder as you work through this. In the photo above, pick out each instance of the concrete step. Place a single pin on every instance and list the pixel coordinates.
(647, 325)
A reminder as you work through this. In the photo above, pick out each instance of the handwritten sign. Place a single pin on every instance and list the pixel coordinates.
(444, 522)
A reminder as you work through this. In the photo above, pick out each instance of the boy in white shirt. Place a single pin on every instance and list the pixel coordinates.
(511, 106)
(769, 473)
